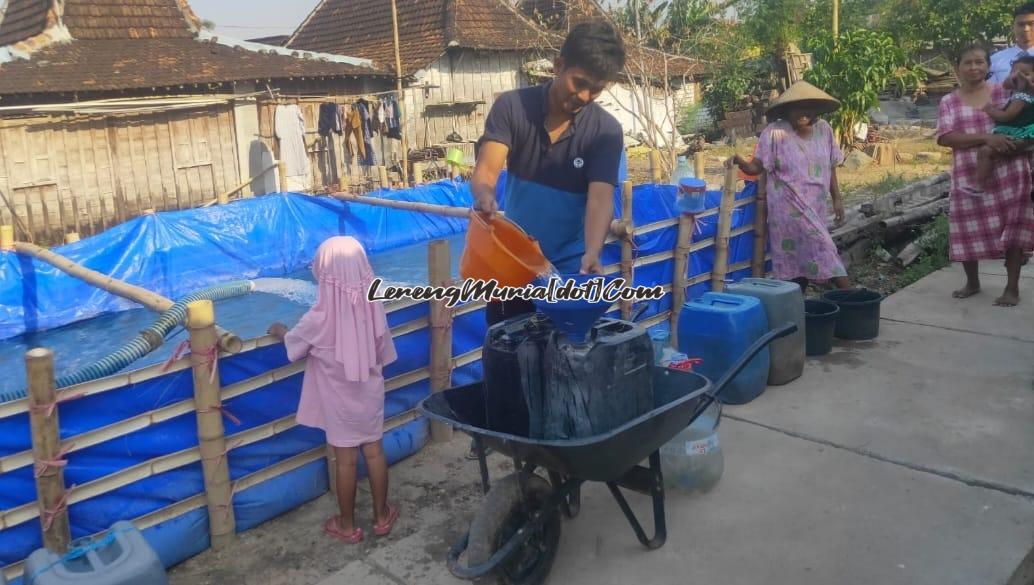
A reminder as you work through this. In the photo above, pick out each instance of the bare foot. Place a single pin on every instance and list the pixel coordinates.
(1008, 299)
(966, 291)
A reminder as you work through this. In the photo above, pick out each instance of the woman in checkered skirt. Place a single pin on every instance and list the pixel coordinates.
(984, 224)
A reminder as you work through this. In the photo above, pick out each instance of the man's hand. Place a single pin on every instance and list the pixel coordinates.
(486, 205)
(277, 330)
(591, 264)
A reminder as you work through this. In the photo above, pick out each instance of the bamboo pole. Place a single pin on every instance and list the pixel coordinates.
(626, 245)
(655, 166)
(440, 274)
(618, 229)
(228, 342)
(46, 450)
(281, 168)
(401, 96)
(71, 237)
(6, 237)
(678, 281)
(210, 433)
(383, 173)
(418, 173)
(699, 169)
(224, 197)
(757, 266)
(721, 252)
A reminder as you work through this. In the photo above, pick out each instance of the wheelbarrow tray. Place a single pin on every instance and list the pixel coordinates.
(679, 398)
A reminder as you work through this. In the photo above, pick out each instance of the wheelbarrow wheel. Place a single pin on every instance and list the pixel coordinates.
(504, 512)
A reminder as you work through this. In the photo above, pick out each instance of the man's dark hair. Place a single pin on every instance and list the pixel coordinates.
(1024, 9)
(596, 48)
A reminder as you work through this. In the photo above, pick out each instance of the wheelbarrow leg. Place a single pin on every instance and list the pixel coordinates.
(572, 503)
(649, 482)
(479, 445)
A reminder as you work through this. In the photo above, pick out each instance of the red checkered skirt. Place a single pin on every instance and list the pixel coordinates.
(983, 223)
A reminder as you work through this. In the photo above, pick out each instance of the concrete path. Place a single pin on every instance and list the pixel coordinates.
(906, 460)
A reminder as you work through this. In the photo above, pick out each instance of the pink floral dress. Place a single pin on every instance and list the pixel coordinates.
(983, 224)
(799, 173)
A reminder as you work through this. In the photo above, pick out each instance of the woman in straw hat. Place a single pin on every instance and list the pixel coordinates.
(984, 224)
(799, 152)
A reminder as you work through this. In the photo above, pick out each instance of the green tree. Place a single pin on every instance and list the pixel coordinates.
(945, 25)
(855, 68)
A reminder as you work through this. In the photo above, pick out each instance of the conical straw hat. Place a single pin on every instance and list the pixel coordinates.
(803, 92)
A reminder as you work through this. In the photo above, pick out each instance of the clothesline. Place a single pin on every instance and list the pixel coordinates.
(357, 96)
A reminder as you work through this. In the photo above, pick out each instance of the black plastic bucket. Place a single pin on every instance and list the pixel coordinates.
(859, 316)
(820, 321)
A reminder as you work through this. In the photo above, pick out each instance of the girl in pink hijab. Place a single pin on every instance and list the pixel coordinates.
(347, 342)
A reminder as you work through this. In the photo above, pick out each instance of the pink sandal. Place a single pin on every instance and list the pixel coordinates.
(385, 529)
(333, 528)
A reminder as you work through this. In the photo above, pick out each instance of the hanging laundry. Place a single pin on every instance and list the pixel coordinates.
(394, 118)
(328, 120)
(342, 117)
(289, 126)
(354, 128)
(366, 114)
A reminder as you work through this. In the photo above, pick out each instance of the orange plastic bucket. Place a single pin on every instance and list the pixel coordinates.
(499, 249)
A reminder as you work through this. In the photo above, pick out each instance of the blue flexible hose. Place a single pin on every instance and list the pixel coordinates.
(140, 345)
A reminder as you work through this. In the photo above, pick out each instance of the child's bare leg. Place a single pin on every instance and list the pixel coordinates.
(985, 158)
(377, 467)
(347, 463)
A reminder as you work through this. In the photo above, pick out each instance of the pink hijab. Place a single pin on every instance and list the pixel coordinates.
(343, 320)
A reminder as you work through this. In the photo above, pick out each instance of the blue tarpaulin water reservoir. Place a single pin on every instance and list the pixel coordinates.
(176, 253)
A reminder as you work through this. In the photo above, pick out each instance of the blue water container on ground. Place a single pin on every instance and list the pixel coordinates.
(121, 556)
(718, 328)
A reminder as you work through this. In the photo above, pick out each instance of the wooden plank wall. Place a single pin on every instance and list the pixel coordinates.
(460, 76)
(84, 174)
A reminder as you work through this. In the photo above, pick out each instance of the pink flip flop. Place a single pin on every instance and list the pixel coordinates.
(385, 529)
(333, 528)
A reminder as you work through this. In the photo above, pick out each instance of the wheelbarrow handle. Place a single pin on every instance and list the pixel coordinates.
(748, 355)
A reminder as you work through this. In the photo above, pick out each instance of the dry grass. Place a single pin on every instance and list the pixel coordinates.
(861, 185)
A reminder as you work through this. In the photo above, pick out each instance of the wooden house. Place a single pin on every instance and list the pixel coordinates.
(458, 55)
(110, 108)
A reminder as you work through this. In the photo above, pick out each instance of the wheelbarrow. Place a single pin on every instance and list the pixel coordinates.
(514, 536)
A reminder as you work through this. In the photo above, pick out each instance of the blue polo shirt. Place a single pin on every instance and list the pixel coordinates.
(547, 184)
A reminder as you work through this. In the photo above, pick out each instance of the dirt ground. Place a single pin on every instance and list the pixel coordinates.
(860, 185)
(438, 494)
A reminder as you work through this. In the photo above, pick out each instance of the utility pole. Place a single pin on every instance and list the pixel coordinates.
(401, 96)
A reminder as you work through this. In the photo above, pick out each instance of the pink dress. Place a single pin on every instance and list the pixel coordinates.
(347, 341)
(799, 173)
(350, 412)
(983, 224)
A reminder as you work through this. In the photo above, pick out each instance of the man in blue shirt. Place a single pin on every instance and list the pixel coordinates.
(1023, 33)
(562, 153)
